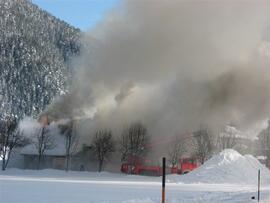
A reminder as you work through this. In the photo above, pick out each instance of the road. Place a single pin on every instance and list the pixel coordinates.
(20, 189)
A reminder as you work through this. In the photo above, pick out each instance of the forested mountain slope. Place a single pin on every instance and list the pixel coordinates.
(35, 48)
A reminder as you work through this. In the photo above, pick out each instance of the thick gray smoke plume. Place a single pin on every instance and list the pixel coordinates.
(177, 65)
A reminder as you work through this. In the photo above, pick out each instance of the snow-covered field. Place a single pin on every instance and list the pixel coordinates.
(26, 186)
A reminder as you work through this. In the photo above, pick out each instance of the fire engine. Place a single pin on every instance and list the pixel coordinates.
(142, 166)
(139, 166)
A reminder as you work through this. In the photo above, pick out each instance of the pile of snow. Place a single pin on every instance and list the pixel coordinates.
(56, 186)
(228, 167)
(76, 175)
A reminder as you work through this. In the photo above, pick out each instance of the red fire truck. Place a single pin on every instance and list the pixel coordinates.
(145, 167)
(141, 166)
(185, 165)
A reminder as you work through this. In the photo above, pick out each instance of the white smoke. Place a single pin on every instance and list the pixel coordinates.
(29, 127)
(176, 65)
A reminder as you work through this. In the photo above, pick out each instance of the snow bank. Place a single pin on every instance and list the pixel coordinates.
(227, 167)
(77, 175)
(56, 186)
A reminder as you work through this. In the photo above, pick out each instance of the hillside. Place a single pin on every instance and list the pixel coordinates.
(35, 48)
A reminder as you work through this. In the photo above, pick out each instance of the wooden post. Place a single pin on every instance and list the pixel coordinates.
(259, 183)
(163, 178)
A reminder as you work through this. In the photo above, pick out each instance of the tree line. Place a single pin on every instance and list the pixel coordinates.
(132, 143)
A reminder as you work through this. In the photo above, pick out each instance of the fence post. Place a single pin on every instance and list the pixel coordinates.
(163, 178)
(259, 183)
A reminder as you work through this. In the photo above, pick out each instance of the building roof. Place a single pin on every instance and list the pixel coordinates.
(57, 150)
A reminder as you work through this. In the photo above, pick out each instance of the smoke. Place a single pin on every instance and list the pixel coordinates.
(176, 65)
(29, 127)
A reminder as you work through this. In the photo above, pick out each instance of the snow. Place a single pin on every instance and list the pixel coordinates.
(58, 149)
(228, 167)
(261, 157)
(232, 131)
(207, 184)
(32, 128)
(35, 48)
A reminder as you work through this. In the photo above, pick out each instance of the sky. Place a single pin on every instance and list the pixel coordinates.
(83, 14)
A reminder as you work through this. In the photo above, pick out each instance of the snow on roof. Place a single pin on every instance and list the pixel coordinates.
(232, 131)
(57, 150)
(30, 128)
(261, 157)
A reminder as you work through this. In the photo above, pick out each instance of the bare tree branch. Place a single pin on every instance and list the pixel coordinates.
(204, 144)
(43, 141)
(264, 137)
(133, 142)
(103, 146)
(10, 138)
(227, 139)
(176, 151)
(71, 138)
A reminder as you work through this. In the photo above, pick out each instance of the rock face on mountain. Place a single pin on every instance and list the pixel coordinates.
(35, 49)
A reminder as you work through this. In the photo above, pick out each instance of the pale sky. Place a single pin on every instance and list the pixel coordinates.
(83, 14)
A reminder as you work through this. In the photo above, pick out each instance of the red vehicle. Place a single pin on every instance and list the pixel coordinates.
(139, 166)
(142, 167)
(185, 165)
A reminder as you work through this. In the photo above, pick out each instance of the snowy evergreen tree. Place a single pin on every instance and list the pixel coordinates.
(35, 49)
